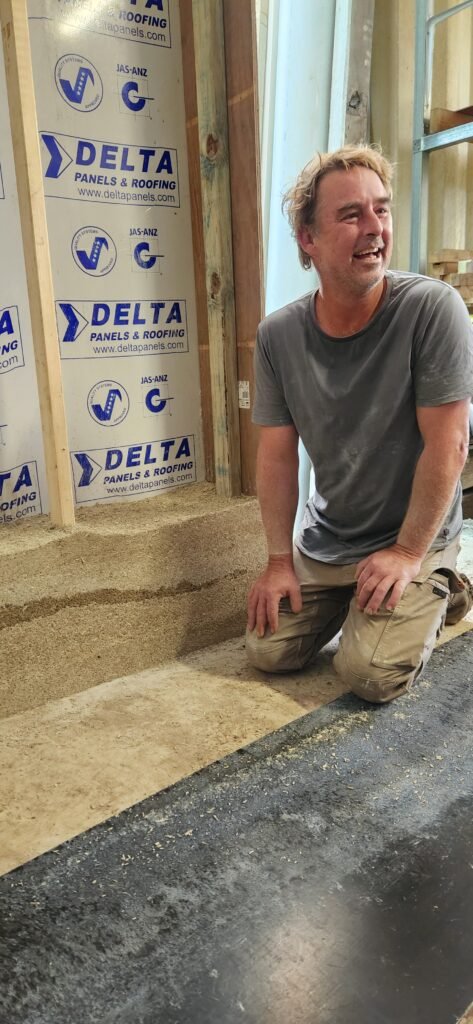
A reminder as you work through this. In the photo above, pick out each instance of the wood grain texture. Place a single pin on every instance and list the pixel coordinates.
(242, 99)
(29, 179)
(207, 16)
(193, 153)
(357, 124)
(441, 119)
(449, 170)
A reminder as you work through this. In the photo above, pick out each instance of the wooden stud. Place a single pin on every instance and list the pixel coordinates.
(357, 125)
(193, 155)
(29, 179)
(441, 119)
(245, 175)
(216, 210)
(449, 173)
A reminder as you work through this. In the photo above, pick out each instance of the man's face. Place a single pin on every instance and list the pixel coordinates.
(351, 241)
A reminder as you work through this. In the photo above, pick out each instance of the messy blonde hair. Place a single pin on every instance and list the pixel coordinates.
(300, 201)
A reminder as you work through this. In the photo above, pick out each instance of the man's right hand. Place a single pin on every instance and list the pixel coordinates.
(277, 581)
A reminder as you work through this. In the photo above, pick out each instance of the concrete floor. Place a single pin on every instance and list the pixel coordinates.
(81, 760)
(321, 875)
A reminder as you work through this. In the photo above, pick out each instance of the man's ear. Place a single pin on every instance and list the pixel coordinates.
(306, 239)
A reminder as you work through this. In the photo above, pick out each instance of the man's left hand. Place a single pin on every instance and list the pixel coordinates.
(385, 572)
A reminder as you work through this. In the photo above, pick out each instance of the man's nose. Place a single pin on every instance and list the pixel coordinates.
(373, 225)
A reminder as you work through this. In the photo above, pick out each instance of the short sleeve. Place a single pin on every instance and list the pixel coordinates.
(269, 407)
(442, 363)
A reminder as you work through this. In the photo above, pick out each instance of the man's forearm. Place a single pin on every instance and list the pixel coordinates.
(278, 492)
(433, 489)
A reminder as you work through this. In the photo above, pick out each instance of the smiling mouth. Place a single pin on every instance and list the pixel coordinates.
(368, 255)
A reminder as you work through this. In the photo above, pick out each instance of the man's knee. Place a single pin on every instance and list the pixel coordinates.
(370, 682)
(270, 653)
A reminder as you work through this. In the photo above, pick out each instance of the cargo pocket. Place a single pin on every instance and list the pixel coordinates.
(410, 632)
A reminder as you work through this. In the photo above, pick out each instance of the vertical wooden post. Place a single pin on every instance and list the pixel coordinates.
(216, 210)
(193, 156)
(449, 184)
(245, 173)
(392, 108)
(29, 178)
(357, 127)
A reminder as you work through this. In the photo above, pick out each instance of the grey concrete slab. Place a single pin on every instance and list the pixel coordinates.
(323, 875)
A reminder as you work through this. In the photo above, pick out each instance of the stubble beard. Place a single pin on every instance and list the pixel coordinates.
(360, 285)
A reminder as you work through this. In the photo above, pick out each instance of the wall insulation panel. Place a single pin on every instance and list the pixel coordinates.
(23, 489)
(109, 95)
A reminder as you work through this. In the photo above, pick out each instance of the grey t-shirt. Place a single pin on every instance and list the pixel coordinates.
(353, 403)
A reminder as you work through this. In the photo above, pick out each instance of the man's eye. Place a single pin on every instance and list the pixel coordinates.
(350, 216)
(383, 209)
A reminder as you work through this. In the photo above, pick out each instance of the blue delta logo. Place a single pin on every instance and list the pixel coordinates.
(149, 161)
(155, 458)
(78, 82)
(151, 319)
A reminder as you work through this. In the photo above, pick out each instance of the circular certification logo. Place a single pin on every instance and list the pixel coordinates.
(94, 251)
(108, 403)
(78, 82)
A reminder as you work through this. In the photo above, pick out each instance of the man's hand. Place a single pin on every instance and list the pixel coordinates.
(385, 572)
(277, 581)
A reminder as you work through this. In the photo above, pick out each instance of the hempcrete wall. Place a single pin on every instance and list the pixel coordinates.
(131, 587)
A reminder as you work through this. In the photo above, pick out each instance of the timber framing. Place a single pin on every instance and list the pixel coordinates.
(239, 39)
(207, 16)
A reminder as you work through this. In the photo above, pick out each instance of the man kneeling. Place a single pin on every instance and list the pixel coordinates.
(373, 371)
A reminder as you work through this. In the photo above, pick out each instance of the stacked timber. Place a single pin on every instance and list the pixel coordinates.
(455, 266)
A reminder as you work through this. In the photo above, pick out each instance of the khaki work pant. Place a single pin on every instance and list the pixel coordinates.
(379, 656)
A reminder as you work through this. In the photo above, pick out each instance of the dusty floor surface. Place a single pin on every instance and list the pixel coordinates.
(321, 875)
(73, 763)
